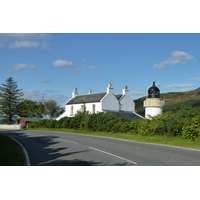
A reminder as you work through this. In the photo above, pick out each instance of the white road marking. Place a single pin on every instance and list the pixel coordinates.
(68, 140)
(113, 155)
(27, 160)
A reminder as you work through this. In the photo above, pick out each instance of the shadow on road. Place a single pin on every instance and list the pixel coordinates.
(41, 152)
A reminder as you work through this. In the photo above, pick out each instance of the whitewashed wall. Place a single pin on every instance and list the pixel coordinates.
(110, 102)
(127, 104)
(80, 107)
(98, 107)
(10, 126)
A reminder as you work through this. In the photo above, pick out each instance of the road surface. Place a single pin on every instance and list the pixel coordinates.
(64, 149)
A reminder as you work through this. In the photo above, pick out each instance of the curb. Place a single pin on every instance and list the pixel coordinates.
(27, 160)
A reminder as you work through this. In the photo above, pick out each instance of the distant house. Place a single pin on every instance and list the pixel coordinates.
(121, 105)
(25, 121)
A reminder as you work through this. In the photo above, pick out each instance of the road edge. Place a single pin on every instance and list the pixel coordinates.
(27, 160)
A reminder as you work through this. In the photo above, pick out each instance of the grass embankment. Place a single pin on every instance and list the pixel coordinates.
(175, 141)
(11, 154)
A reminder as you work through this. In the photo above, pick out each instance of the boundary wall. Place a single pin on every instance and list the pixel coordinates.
(11, 126)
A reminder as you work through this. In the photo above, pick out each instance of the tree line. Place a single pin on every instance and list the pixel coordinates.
(13, 106)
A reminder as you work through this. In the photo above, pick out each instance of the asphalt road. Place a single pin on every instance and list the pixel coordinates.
(65, 149)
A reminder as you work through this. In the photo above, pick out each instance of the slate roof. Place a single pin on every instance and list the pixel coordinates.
(89, 98)
(127, 115)
(30, 119)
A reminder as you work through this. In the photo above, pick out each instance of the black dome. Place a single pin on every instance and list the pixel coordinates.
(153, 91)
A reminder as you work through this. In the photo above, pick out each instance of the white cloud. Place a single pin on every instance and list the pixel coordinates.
(180, 55)
(24, 40)
(179, 86)
(50, 91)
(198, 78)
(22, 66)
(26, 44)
(138, 92)
(63, 63)
(93, 67)
(177, 58)
(37, 95)
(69, 64)
(34, 95)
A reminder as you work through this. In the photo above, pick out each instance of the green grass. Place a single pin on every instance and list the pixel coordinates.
(11, 153)
(175, 141)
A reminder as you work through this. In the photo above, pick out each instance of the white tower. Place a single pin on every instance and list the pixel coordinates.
(153, 104)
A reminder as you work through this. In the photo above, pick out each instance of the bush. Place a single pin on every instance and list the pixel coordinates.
(140, 127)
(191, 129)
(124, 127)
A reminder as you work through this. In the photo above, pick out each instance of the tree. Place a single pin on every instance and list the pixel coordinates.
(29, 108)
(10, 97)
(50, 109)
(41, 108)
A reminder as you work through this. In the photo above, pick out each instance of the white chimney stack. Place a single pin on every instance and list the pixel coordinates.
(109, 88)
(75, 93)
(125, 90)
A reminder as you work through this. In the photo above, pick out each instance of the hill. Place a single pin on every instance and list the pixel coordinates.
(173, 100)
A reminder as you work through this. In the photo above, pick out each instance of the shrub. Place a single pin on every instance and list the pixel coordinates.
(124, 127)
(77, 119)
(64, 122)
(191, 129)
(50, 123)
(102, 122)
(143, 127)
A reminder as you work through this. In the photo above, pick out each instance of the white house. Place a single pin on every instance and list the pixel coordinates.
(121, 105)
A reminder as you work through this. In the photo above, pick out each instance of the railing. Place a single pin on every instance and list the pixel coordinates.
(153, 95)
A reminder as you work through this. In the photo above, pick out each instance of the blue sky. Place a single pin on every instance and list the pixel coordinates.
(51, 65)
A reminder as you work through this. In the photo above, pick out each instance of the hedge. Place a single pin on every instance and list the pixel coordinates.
(184, 123)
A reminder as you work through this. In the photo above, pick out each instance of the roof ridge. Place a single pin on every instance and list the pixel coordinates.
(90, 94)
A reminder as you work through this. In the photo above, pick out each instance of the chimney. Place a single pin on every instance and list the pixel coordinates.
(90, 92)
(75, 93)
(125, 90)
(110, 88)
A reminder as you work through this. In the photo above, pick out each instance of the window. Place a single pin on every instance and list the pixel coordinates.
(82, 108)
(72, 109)
(93, 108)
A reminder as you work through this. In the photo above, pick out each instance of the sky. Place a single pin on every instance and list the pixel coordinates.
(50, 65)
